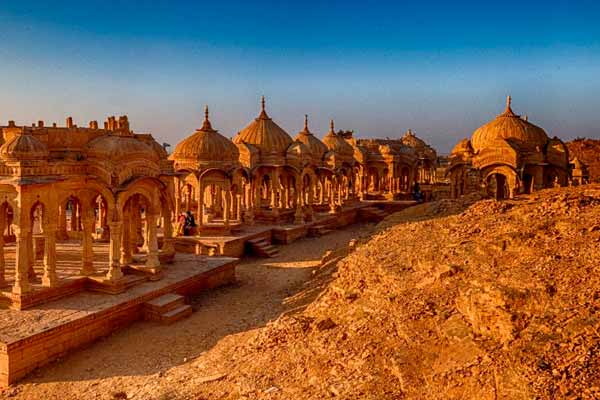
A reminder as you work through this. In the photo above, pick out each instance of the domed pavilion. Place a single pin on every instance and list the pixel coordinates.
(209, 180)
(86, 185)
(507, 156)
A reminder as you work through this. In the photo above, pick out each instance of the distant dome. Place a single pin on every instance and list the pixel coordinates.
(464, 146)
(314, 145)
(509, 126)
(298, 150)
(265, 134)
(24, 147)
(337, 144)
(410, 139)
(206, 145)
(120, 148)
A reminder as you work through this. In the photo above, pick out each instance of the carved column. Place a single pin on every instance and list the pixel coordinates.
(49, 279)
(152, 261)
(299, 214)
(125, 245)
(2, 265)
(227, 196)
(87, 265)
(21, 285)
(168, 242)
(31, 256)
(238, 209)
(114, 271)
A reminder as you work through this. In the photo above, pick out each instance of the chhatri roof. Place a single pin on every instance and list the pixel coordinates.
(336, 143)
(464, 146)
(509, 126)
(316, 147)
(265, 134)
(23, 147)
(205, 145)
(118, 148)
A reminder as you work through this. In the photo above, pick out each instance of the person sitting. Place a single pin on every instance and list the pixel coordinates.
(190, 224)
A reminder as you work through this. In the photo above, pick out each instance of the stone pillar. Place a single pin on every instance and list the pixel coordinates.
(62, 222)
(152, 260)
(2, 265)
(227, 195)
(31, 256)
(238, 209)
(87, 265)
(114, 270)
(21, 285)
(168, 242)
(200, 219)
(299, 214)
(125, 245)
(145, 222)
(177, 197)
(49, 279)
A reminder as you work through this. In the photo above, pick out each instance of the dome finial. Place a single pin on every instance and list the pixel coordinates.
(305, 122)
(331, 126)
(263, 112)
(206, 126)
(508, 112)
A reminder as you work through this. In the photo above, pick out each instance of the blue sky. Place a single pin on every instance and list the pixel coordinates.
(440, 68)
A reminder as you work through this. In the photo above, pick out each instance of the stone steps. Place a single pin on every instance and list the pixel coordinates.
(263, 248)
(373, 214)
(319, 230)
(177, 314)
(167, 309)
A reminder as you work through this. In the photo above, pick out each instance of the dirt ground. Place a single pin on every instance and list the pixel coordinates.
(147, 360)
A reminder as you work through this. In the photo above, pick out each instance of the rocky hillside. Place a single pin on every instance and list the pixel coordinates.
(451, 300)
(588, 151)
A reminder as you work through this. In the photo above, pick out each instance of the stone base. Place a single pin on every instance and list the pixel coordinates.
(45, 333)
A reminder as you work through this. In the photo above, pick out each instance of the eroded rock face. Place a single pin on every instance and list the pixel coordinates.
(465, 299)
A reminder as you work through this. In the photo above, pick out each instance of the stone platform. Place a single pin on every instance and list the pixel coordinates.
(33, 337)
(236, 244)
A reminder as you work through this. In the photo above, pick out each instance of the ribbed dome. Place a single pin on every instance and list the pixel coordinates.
(299, 150)
(158, 149)
(337, 144)
(24, 147)
(314, 145)
(464, 146)
(265, 134)
(510, 126)
(120, 148)
(206, 145)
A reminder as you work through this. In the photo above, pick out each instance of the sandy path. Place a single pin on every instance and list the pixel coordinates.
(135, 358)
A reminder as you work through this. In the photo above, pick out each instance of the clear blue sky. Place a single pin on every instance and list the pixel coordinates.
(441, 68)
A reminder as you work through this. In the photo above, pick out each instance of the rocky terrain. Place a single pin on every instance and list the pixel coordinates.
(455, 299)
(588, 151)
(451, 300)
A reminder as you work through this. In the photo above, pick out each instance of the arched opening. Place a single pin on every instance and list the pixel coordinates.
(70, 225)
(527, 183)
(139, 238)
(498, 186)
